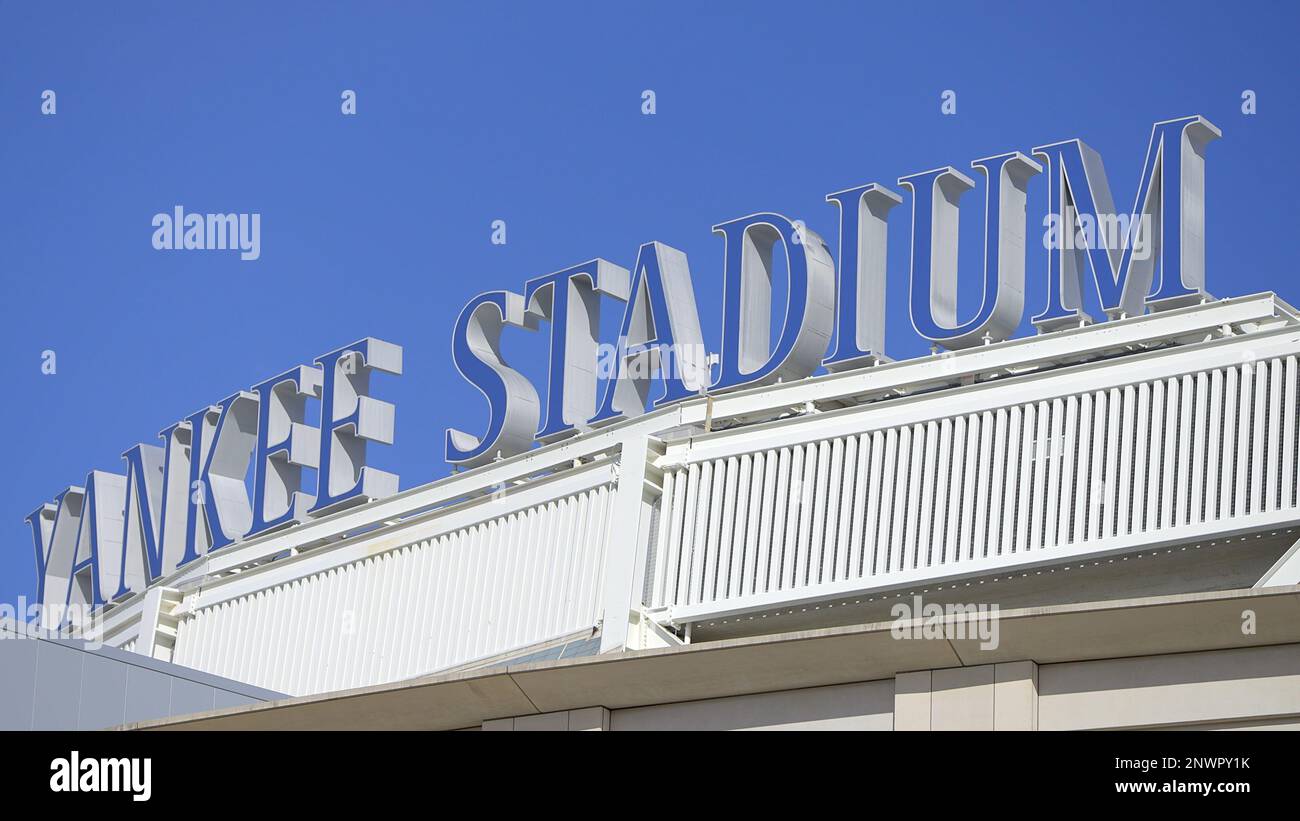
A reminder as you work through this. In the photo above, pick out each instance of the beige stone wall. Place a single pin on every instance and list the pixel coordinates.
(1244, 688)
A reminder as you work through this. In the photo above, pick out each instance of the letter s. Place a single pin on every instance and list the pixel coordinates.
(513, 405)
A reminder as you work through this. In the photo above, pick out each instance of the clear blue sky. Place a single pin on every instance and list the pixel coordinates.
(379, 224)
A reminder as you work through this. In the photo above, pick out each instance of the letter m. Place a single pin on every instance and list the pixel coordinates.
(1169, 269)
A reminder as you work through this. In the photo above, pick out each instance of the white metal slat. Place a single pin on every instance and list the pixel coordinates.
(717, 587)
(746, 534)
(983, 468)
(1274, 449)
(1110, 507)
(234, 615)
(1289, 437)
(671, 529)
(1169, 460)
(556, 584)
(922, 541)
(1260, 437)
(858, 532)
(1035, 499)
(1227, 464)
(394, 626)
(781, 568)
(846, 512)
(271, 645)
(295, 671)
(580, 568)
(693, 569)
(228, 622)
(251, 617)
(1214, 446)
(1071, 448)
(447, 589)
(794, 518)
(443, 548)
(525, 530)
(486, 564)
(462, 546)
(1241, 472)
(829, 495)
(1050, 493)
(1200, 417)
(888, 487)
(817, 512)
(1096, 467)
(1002, 518)
(680, 564)
(898, 512)
(1027, 462)
(769, 503)
(354, 603)
(305, 676)
(1184, 479)
(997, 502)
(1141, 460)
(772, 521)
(546, 580)
(943, 489)
(970, 486)
(286, 645)
(497, 560)
(542, 572)
(1128, 414)
(411, 624)
(911, 509)
(659, 556)
(400, 609)
(874, 497)
(1155, 448)
(377, 578)
(592, 559)
(1227, 444)
(706, 577)
(807, 514)
(467, 548)
(420, 615)
(754, 501)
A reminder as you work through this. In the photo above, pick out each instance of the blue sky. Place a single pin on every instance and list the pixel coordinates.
(379, 224)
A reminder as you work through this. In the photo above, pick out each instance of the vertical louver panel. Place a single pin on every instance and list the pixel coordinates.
(1017, 481)
(468, 594)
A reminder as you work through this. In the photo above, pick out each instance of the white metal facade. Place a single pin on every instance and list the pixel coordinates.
(503, 583)
(1173, 428)
(1170, 457)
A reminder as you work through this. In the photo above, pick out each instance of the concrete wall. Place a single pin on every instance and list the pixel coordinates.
(866, 706)
(54, 684)
(1242, 688)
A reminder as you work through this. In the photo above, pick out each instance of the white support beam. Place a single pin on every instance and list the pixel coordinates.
(1284, 572)
(625, 556)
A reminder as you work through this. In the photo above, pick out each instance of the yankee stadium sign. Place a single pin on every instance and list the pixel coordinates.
(234, 470)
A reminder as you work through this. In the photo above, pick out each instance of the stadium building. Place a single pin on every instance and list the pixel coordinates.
(1125, 493)
(1094, 527)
